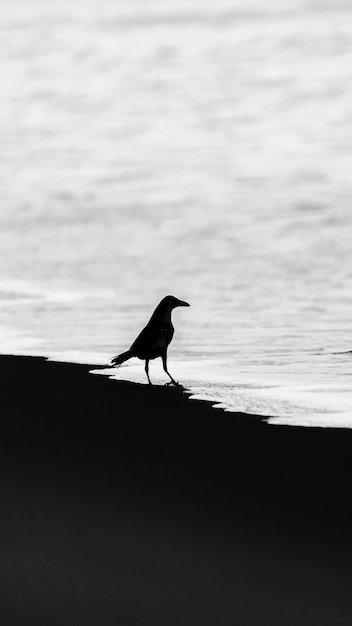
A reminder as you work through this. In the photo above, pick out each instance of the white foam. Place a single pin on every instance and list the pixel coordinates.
(299, 405)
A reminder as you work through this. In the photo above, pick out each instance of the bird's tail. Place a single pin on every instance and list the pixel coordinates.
(121, 358)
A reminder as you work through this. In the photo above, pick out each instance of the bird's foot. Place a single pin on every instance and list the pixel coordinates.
(174, 383)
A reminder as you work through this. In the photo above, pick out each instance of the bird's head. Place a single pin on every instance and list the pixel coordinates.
(164, 308)
(170, 302)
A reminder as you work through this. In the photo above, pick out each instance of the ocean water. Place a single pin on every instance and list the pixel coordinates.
(199, 149)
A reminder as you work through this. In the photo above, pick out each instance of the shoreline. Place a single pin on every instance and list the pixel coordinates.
(284, 401)
(129, 504)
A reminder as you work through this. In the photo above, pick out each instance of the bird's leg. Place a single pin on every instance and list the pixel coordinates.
(147, 371)
(164, 359)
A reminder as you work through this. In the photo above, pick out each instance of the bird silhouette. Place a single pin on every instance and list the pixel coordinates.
(155, 338)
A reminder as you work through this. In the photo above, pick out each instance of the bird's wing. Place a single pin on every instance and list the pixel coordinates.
(152, 340)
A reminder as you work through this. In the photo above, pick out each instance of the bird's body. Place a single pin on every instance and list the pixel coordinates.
(155, 338)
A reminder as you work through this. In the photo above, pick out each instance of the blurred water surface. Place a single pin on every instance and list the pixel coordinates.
(191, 148)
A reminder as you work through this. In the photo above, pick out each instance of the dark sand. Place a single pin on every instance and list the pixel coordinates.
(124, 505)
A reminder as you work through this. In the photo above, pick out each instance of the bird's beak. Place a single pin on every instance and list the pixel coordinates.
(182, 303)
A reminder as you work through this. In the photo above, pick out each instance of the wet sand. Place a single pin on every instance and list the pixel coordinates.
(128, 505)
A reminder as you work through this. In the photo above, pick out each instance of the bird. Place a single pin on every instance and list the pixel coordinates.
(154, 339)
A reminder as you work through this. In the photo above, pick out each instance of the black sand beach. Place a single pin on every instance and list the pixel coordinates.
(126, 505)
